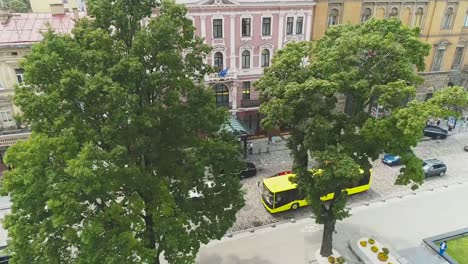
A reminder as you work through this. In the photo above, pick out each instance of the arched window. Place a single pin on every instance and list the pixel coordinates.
(265, 58)
(393, 12)
(448, 17)
(406, 16)
(366, 15)
(333, 17)
(419, 16)
(222, 94)
(218, 60)
(245, 59)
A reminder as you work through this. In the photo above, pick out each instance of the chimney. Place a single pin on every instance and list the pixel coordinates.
(76, 14)
(5, 16)
(57, 9)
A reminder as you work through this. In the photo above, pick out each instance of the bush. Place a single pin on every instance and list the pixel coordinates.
(374, 249)
(382, 256)
(331, 259)
(371, 241)
(340, 260)
(363, 243)
(385, 251)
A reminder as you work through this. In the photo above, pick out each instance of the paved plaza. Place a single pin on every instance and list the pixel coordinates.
(278, 159)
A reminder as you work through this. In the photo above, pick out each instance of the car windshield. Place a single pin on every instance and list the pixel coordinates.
(267, 196)
(426, 166)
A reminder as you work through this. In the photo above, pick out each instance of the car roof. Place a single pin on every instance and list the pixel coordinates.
(433, 161)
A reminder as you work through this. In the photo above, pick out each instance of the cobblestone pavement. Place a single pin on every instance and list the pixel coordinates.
(278, 159)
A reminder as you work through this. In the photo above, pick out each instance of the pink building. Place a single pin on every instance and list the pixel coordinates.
(244, 35)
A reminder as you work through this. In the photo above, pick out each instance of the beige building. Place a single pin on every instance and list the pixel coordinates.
(444, 25)
(46, 6)
(18, 32)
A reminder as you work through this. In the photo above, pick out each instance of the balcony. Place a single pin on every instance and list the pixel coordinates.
(10, 137)
(250, 103)
(214, 77)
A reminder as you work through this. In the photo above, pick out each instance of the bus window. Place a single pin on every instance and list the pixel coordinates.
(267, 196)
(285, 197)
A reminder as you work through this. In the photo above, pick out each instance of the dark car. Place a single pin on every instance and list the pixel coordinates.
(465, 147)
(248, 171)
(391, 160)
(434, 167)
(435, 132)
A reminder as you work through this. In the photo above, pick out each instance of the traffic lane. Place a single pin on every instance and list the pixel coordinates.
(286, 243)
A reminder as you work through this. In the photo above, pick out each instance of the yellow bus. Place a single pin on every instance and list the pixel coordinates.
(280, 194)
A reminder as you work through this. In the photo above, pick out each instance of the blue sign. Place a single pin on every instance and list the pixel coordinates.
(223, 73)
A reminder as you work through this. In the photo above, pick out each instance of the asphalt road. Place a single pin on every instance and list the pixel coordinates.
(401, 222)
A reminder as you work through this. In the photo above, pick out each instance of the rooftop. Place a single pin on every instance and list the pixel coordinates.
(23, 28)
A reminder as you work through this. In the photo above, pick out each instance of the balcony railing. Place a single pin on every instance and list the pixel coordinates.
(250, 103)
(10, 139)
(230, 75)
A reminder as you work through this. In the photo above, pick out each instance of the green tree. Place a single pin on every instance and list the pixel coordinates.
(368, 65)
(18, 6)
(126, 161)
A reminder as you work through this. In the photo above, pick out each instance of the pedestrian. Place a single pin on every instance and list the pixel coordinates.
(462, 126)
(270, 139)
(443, 248)
(438, 122)
(251, 148)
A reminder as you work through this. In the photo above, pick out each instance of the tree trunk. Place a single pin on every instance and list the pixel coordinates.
(300, 156)
(327, 239)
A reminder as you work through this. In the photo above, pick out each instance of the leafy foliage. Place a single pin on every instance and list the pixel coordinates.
(18, 6)
(124, 143)
(367, 65)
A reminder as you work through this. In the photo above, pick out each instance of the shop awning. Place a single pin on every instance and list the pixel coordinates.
(236, 127)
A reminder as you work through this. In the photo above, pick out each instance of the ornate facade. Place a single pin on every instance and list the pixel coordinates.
(244, 35)
(444, 25)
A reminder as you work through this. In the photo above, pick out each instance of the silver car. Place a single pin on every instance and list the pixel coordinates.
(434, 167)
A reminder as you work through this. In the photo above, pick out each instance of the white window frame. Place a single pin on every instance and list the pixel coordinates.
(458, 66)
(337, 18)
(268, 47)
(303, 24)
(441, 46)
(286, 25)
(390, 14)
(452, 18)
(363, 13)
(251, 26)
(224, 58)
(249, 48)
(22, 77)
(421, 23)
(465, 24)
(7, 114)
(271, 27)
(223, 24)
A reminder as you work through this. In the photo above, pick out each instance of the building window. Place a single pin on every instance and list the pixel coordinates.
(438, 57)
(265, 58)
(393, 12)
(366, 15)
(419, 16)
(458, 58)
(466, 21)
(266, 26)
(245, 59)
(299, 25)
(217, 28)
(6, 116)
(289, 25)
(246, 90)
(246, 27)
(333, 17)
(447, 21)
(222, 95)
(218, 60)
(20, 76)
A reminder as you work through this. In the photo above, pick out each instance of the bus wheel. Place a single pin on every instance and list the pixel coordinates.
(295, 206)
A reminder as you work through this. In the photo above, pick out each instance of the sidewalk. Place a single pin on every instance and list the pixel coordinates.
(400, 222)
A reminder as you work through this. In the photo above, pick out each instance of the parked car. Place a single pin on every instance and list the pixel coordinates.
(434, 167)
(465, 148)
(435, 132)
(248, 171)
(391, 160)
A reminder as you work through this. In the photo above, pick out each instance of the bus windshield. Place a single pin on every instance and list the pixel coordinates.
(267, 196)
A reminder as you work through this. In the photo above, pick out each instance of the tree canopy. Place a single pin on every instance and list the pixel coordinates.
(126, 160)
(368, 65)
(18, 6)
